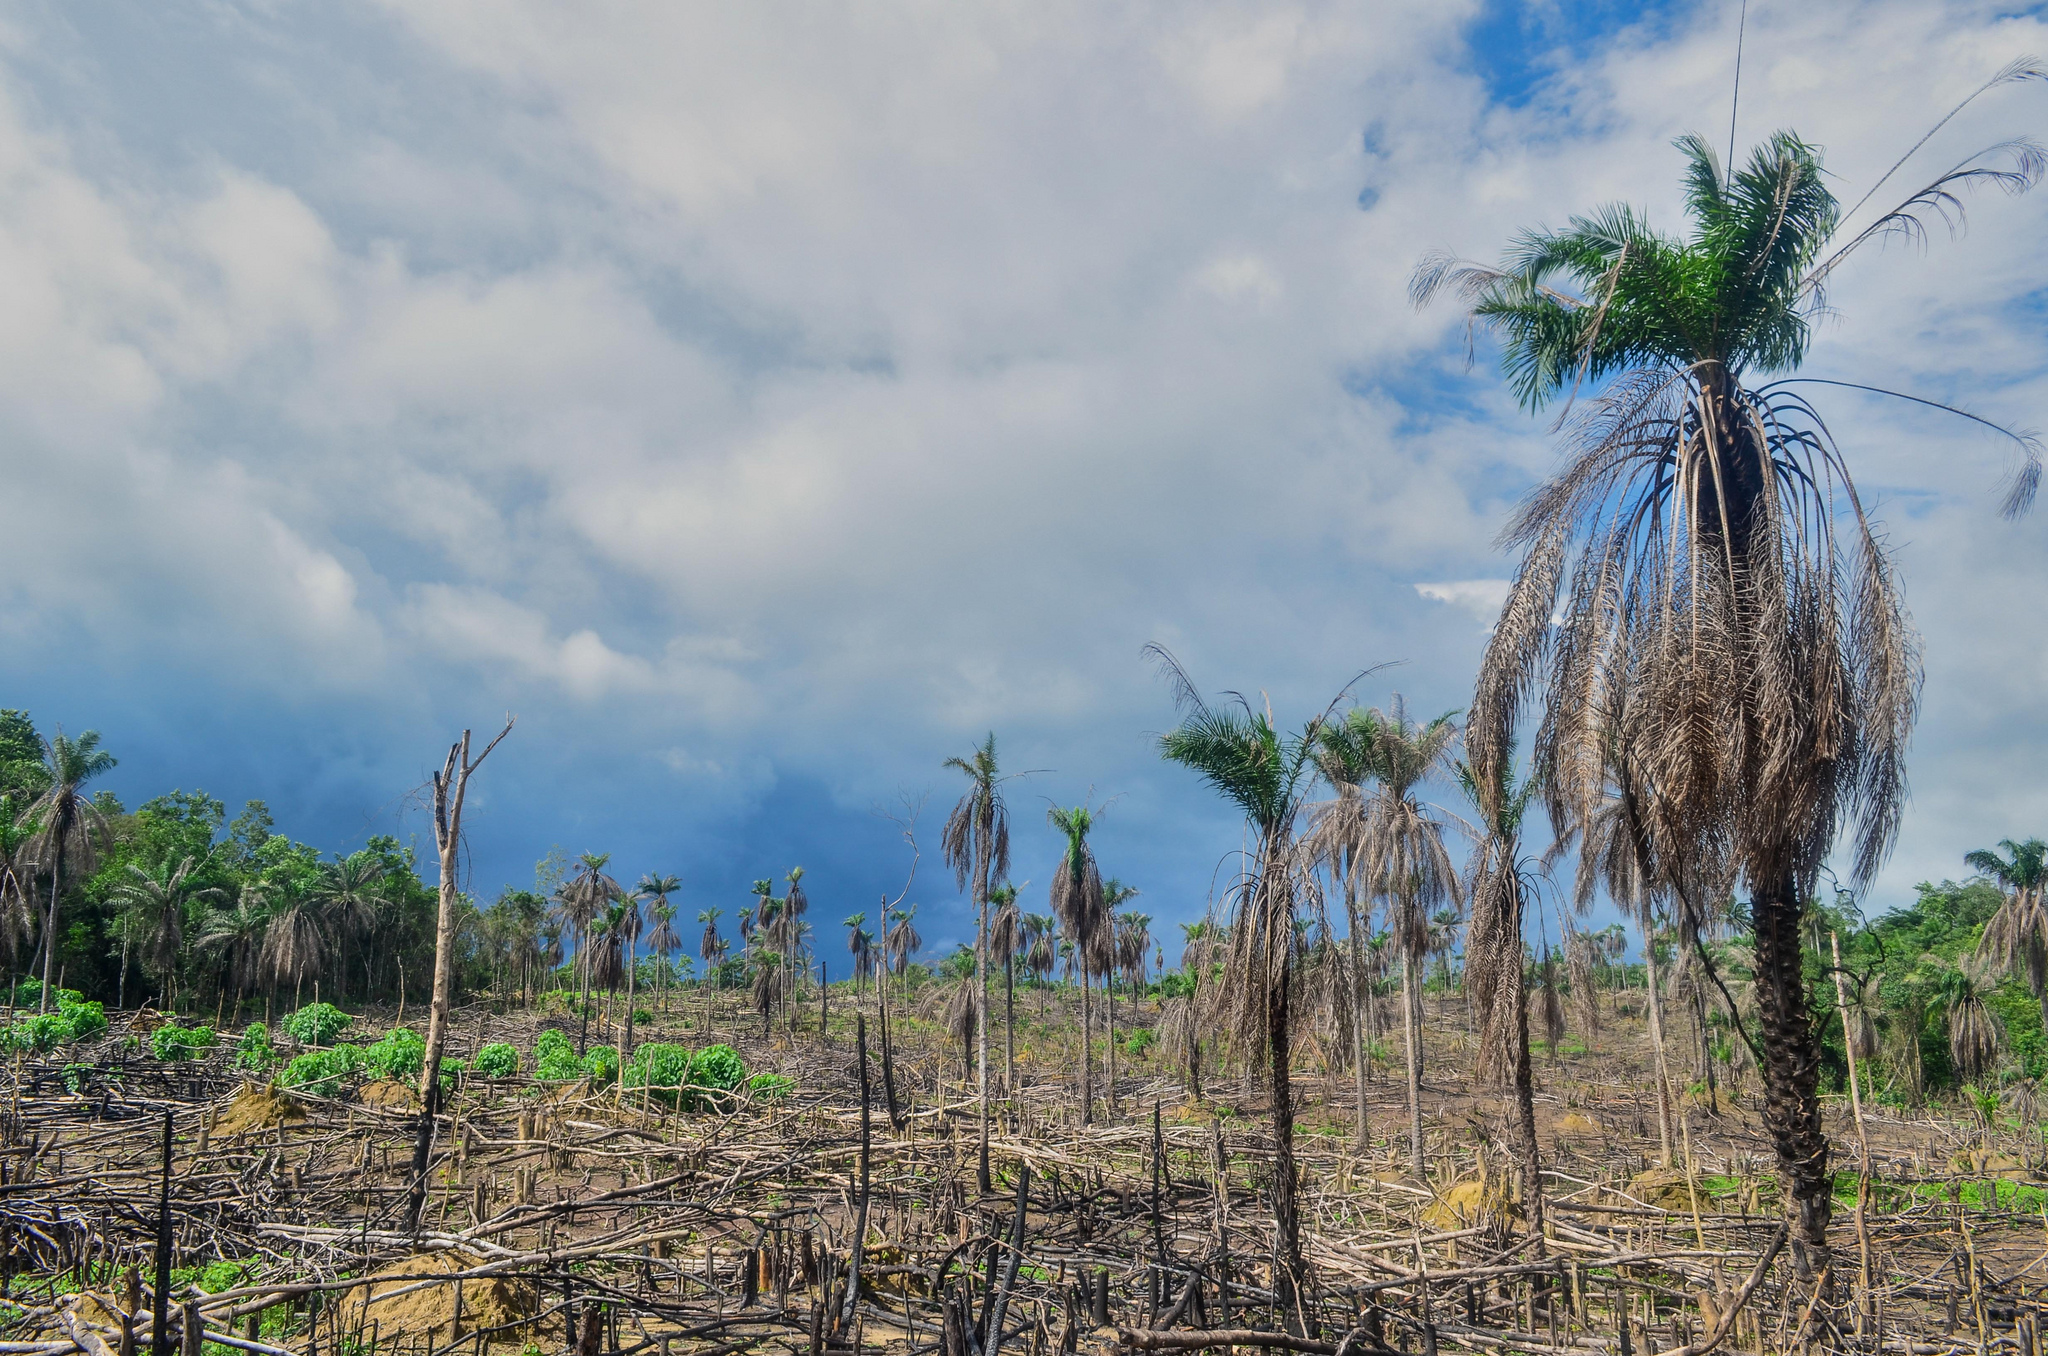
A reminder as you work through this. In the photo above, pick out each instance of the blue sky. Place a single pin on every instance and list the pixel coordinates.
(765, 403)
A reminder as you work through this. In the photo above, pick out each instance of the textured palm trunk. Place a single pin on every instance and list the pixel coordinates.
(1087, 1057)
(1412, 1040)
(1290, 1276)
(1360, 1001)
(1791, 1078)
(1525, 1094)
(1657, 1047)
(981, 869)
(1010, 1026)
(1109, 1037)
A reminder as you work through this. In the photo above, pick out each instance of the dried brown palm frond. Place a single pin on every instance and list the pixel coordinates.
(1551, 1005)
(1901, 1054)
(295, 944)
(1578, 966)
(1180, 1032)
(1975, 1035)
(962, 1020)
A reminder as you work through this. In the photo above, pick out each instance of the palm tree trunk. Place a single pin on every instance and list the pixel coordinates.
(1290, 1275)
(983, 849)
(1109, 1035)
(1412, 1039)
(1087, 1058)
(1657, 1046)
(1010, 1024)
(50, 924)
(1791, 1075)
(1359, 1002)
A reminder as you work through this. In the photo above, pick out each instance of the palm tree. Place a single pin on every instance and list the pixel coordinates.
(795, 904)
(17, 911)
(584, 897)
(1243, 755)
(295, 942)
(626, 922)
(1114, 895)
(157, 903)
(663, 940)
(1728, 587)
(1500, 884)
(1401, 858)
(710, 945)
(976, 844)
(235, 935)
(351, 895)
(1344, 758)
(861, 944)
(1076, 897)
(2016, 937)
(1974, 1034)
(67, 823)
(1006, 940)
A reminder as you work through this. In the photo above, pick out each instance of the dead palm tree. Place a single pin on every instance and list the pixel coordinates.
(69, 827)
(662, 939)
(17, 911)
(1500, 883)
(1006, 942)
(709, 946)
(795, 904)
(1733, 631)
(1245, 757)
(1401, 859)
(976, 844)
(1337, 829)
(1975, 1035)
(1076, 899)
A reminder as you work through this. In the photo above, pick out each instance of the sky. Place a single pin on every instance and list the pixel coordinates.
(768, 402)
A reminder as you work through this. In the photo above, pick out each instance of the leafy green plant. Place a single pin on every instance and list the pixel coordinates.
(554, 1059)
(316, 1024)
(87, 1020)
(769, 1087)
(253, 1052)
(322, 1071)
(497, 1060)
(663, 1070)
(601, 1065)
(717, 1067)
(399, 1053)
(176, 1044)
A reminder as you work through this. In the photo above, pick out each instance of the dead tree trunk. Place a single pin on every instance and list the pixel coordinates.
(451, 787)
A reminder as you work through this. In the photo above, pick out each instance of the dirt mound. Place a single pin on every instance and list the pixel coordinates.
(1473, 1201)
(388, 1094)
(1665, 1188)
(1576, 1125)
(399, 1304)
(258, 1108)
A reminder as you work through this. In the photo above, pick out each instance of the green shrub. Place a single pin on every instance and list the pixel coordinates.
(322, 1071)
(253, 1051)
(316, 1024)
(399, 1053)
(88, 1020)
(661, 1068)
(643, 1016)
(497, 1060)
(554, 1059)
(717, 1067)
(601, 1065)
(175, 1044)
(769, 1087)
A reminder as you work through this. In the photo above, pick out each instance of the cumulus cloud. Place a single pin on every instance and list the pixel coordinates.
(801, 399)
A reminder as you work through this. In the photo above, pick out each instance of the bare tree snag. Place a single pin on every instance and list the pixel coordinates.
(451, 788)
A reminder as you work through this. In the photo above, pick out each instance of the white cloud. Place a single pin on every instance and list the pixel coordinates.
(825, 386)
(1480, 597)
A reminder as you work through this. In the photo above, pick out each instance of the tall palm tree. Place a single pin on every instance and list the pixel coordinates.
(795, 904)
(584, 897)
(662, 940)
(1401, 858)
(1006, 941)
(861, 944)
(1500, 885)
(69, 826)
(17, 910)
(1733, 628)
(976, 844)
(351, 895)
(1115, 894)
(1076, 898)
(709, 946)
(2016, 937)
(295, 941)
(234, 935)
(1245, 757)
(1344, 758)
(157, 902)
(626, 923)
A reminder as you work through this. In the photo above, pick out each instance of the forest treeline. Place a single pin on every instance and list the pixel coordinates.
(177, 904)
